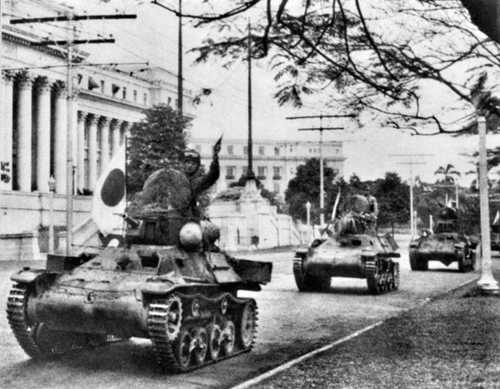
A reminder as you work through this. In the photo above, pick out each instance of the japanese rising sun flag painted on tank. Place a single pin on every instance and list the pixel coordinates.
(108, 204)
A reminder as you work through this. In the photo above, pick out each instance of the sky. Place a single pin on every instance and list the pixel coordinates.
(153, 38)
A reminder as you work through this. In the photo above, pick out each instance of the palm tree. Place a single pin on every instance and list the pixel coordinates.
(448, 174)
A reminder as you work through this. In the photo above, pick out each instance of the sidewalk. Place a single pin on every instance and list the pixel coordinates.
(451, 342)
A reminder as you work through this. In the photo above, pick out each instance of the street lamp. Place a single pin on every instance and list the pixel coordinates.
(52, 189)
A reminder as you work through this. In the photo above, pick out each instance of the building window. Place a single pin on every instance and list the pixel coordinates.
(276, 187)
(230, 149)
(245, 150)
(230, 172)
(276, 173)
(135, 95)
(145, 99)
(276, 151)
(115, 89)
(102, 86)
(261, 172)
(261, 150)
(198, 148)
(124, 93)
(244, 171)
(169, 100)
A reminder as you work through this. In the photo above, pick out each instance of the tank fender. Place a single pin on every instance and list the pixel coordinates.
(28, 275)
(459, 245)
(367, 253)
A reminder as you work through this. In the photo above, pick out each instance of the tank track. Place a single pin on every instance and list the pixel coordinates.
(35, 338)
(381, 276)
(307, 283)
(189, 331)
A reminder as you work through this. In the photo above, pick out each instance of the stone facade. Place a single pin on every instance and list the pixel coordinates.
(251, 222)
(34, 122)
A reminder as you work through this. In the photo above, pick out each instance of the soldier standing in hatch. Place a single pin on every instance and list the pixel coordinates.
(174, 189)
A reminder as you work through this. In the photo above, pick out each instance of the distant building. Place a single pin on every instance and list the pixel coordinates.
(274, 162)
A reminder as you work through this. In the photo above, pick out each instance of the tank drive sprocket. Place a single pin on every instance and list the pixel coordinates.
(36, 338)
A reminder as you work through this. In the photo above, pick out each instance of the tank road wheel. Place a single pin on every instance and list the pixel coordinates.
(228, 338)
(248, 325)
(200, 340)
(183, 348)
(214, 341)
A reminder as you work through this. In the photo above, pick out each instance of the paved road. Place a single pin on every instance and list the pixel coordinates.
(291, 324)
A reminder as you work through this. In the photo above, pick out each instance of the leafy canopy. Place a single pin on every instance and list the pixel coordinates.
(379, 58)
(155, 142)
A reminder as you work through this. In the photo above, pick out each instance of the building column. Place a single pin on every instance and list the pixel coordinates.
(104, 123)
(116, 135)
(80, 153)
(7, 101)
(42, 122)
(24, 122)
(92, 150)
(60, 138)
(125, 127)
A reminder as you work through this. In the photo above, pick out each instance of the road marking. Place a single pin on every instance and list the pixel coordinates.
(268, 374)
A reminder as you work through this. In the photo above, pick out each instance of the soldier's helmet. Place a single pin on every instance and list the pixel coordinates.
(191, 155)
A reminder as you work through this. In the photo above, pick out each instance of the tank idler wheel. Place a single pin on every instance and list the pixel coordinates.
(214, 341)
(228, 338)
(183, 348)
(248, 325)
(199, 345)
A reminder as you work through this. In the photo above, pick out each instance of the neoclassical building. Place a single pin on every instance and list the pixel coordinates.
(34, 124)
(275, 162)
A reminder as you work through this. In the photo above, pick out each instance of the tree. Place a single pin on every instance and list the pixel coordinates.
(157, 140)
(393, 197)
(304, 187)
(381, 64)
(447, 174)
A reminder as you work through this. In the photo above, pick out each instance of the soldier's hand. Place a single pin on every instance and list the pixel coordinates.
(217, 146)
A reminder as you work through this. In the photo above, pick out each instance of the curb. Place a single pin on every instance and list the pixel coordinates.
(285, 366)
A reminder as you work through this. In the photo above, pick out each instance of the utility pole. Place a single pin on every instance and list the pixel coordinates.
(69, 43)
(250, 172)
(411, 163)
(321, 170)
(179, 64)
(487, 282)
(180, 91)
